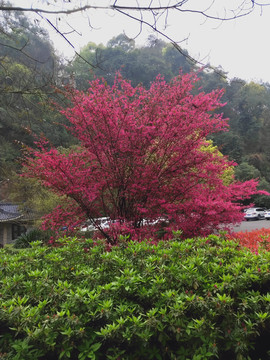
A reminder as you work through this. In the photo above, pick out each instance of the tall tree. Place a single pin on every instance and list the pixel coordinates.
(138, 64)
(29, 70)
(142, 157)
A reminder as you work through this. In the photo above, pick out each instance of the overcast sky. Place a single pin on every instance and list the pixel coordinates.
(240, 47)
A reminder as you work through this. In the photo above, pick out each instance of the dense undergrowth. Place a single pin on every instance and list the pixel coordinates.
(202, 298)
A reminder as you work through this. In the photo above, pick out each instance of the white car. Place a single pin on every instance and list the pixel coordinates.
(267, 214)
(255, 213)
(155, 222)
(106, 222)
(103, 222)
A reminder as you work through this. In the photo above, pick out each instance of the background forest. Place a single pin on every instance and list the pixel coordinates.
(32, 75)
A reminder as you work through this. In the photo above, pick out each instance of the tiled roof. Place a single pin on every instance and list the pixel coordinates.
(9, 212)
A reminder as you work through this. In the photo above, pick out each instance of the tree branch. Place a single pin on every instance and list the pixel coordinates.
(158, 9)
(240, 11)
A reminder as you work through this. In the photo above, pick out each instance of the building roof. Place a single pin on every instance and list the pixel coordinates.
(11, 212)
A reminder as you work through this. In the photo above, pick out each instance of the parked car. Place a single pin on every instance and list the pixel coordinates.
(103, 222)
(267, 214)
(255, 213)
(159, 220)
(106, 222)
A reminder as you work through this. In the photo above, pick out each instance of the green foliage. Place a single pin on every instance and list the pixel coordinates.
(32, 195)
(247, 141)
(138, 64)
(123, 42)
(262, 200)
(28, 73)
(244, 172)
(24, 240)
(192, 299)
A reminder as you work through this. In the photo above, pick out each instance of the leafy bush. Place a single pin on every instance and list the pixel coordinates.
(195, 299)
(24, 240)
(255, 239)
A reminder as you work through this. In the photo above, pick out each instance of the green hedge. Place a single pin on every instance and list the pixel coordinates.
(193, 299)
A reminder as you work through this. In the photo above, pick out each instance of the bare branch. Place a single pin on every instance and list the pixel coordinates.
(21, 49)
(66, 39)
(176, 45)
(240, 11)
(139, 11)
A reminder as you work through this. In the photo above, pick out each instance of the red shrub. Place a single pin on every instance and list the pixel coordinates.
(252, 239)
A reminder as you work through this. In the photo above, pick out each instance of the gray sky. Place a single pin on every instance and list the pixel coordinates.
(240, 47)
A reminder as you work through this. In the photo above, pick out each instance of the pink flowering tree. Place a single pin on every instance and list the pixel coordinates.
(140, 158)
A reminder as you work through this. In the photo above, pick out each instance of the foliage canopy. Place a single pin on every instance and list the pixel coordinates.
(140, 160)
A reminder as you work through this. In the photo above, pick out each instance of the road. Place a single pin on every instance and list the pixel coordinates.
(252, 225)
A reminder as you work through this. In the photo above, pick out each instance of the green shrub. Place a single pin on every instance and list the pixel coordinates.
(24, 240)
(193, 299)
